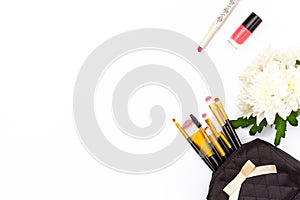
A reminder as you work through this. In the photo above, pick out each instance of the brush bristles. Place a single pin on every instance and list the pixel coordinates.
(204, 116)
(209, 100)
(174, 120)
(187, 124)
(195, 120)
(217, 100)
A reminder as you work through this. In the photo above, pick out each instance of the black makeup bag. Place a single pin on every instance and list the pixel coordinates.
(284, 184)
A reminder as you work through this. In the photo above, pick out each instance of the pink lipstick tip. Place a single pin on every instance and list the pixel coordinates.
(200, 49)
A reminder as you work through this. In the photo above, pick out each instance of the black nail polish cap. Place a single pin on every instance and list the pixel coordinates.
(252, 22)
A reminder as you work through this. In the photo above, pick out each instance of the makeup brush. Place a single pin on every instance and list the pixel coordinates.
(224, 138)
(210, 143)
(227, 121)
(226, 130)
(216, 134)
(195, 147)
(199, 139)
(215, 143)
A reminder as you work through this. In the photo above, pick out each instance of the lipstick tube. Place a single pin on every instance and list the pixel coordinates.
(226, 11)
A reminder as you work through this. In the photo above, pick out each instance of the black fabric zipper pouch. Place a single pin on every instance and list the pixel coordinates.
(257, 171)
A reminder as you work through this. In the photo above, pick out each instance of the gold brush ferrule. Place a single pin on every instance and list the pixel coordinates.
(212, 127)
(216, 113)
(215, 142)
(182, 131)
(221, 108)
(204, 134)
(199, 140)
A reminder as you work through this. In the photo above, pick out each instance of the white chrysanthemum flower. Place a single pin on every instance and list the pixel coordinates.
(271, 86)
(294, 88)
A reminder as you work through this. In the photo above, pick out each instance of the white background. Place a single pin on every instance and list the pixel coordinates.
(42, 47)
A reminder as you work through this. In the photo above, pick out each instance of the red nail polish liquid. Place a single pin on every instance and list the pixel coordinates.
(245, 30)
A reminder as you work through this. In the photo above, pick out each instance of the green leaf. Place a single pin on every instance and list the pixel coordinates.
(258, 128)
(298, 112)
(280, 126)
(243, 122)
(297, 62)
(292, 118)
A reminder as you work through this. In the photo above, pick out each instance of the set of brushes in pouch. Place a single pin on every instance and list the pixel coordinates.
(212, 145)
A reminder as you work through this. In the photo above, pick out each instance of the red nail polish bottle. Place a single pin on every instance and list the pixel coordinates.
(245, 30)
